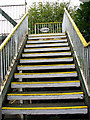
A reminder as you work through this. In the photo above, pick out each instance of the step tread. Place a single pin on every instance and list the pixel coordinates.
(48, 54)
(46, 49)
(49, 66)
(47, 41)
(49, 82)
(40, 60)
(46, 34)
(45, 95)
(47, 45)
(48, 108)
(49, 37)
(41, 84)
(46, 75)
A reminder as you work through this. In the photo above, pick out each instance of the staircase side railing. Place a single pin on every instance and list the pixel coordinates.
(80, 46)
(49, 27)
(10, 47)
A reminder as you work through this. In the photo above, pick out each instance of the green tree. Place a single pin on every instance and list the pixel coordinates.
(82, 19)
(46, 12)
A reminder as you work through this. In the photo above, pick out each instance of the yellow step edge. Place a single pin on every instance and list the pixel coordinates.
(46, 58)
(44, 65)
(44, 73)
(73, 93)
(44, 82)
(43, 108)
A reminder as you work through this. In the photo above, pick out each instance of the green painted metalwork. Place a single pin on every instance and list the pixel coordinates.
(8, 17)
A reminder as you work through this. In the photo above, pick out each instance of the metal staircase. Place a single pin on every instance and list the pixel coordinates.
(46, 81)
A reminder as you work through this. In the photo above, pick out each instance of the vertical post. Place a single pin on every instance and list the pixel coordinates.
(16, 45)
(35, 28)
(0, 106)
(53, 27)
(88, 78)
(0, 84)
(57, 27)
(25, 6)
(2, 72)
(21, 101)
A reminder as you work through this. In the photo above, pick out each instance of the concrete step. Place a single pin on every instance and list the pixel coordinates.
(45, 95)
(46, 67)
(46, 49)
(46, 75)
(47, 60)
(46, 34)
(46, 37)
(46, 41)
(46, 45)
(46, 84)
(46, 109)
(47, 54)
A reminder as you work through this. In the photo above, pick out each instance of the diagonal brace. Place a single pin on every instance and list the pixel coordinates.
(8, 17)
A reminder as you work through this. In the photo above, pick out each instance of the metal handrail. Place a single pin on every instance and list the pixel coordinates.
(48, 23)
(80, 47)
(10, 35)
(84, 42)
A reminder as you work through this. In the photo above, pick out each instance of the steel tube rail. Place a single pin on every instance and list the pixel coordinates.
(80, 46)
(10, 47)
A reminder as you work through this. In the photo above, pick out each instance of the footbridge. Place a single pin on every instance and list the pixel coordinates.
(45, 75)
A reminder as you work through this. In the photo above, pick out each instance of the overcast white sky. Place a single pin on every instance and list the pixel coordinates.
(29, 2)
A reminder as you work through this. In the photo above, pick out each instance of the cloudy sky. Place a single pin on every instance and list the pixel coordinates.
(29, 2)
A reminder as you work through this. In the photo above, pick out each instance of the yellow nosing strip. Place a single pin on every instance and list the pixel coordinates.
(46, 94)
(43, 108)
(44, 82)
(45, 73)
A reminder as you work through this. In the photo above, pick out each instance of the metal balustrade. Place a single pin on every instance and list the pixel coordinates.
(80, 46)
(50, 27)
(10, 47)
